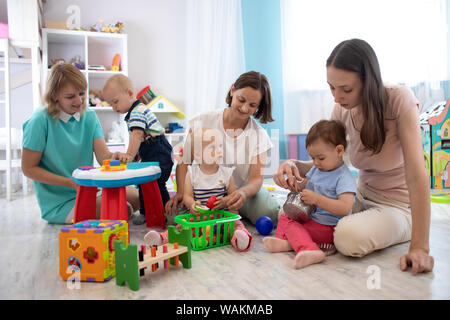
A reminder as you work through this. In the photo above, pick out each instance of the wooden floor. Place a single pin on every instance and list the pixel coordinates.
(30, 270)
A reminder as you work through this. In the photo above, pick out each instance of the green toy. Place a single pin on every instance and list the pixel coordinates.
(130, 264)
(212, 228)
(440, 197)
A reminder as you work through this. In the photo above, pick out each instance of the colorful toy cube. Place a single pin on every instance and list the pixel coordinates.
(86, 249)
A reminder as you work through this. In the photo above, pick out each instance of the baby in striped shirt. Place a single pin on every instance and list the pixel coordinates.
(207, 177)
(146, 134)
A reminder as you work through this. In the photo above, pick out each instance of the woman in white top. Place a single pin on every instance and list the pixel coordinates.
(245, 143)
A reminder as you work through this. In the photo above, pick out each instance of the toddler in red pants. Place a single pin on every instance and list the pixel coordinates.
(330, 186)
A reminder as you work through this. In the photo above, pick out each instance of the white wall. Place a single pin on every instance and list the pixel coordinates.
(156, 33)
(21, 97)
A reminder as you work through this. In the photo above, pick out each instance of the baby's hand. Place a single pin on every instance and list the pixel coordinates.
(309, 197)
(116, 155)
(194, 209)
(125, 158)
(220, 203)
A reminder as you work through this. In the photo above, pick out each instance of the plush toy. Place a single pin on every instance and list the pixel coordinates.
(95, 98)
(113, 28)
(76, 61)
(98, 26)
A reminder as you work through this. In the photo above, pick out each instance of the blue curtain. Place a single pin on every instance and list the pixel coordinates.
(261, 22)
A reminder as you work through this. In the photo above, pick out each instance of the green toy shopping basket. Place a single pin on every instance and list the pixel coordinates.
(212, 228)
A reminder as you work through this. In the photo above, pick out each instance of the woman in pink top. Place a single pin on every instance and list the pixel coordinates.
(392, 203)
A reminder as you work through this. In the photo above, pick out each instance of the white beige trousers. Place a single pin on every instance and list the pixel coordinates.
(376, 222)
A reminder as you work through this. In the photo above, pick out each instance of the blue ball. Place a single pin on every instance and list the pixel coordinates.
(264, 225)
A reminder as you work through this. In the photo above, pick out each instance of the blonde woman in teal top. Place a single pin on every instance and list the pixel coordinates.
(60, 138)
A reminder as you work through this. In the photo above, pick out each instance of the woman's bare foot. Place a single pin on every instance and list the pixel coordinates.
(276, 245)
(308, 257)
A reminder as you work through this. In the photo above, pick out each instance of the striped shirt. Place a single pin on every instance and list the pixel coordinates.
(208, 185)
(139, 116)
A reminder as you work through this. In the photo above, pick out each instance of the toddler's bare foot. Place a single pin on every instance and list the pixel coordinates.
(276, 245)
(308, 257)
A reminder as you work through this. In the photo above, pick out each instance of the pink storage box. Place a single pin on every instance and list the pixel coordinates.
(4, 30)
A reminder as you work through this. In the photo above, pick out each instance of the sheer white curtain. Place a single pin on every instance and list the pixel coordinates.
(215, 54)
(408, 36)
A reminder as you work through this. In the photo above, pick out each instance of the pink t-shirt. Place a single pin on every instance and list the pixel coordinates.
(384, 172)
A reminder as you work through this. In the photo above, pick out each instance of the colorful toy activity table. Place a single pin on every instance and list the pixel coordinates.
(113, 177)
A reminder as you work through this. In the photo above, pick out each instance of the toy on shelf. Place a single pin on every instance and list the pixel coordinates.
(146, 95)
(130, 264)
(97, 27)
(113, 177)
(96, 99)
(158, 103)
(113, 28)
(94, 67)
(76, 61)
(57, 61)
(201, 226)
(162, 104)
(86, 249)
(174, 127)
(435, 126)
(115, 64)
(100, 26)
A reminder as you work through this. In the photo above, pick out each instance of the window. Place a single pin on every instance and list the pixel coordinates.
(408, 36)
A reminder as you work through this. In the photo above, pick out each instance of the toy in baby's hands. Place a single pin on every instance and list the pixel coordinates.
(210, 202)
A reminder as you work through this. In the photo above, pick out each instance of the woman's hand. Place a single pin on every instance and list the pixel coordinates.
(292, 176)
(173, 203)
(418, 259)
(236, 200)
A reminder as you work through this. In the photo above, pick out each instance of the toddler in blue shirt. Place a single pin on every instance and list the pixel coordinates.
(329, 186)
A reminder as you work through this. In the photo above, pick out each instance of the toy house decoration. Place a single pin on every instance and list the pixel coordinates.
(435, 127)
(161, 104)
(86, 249)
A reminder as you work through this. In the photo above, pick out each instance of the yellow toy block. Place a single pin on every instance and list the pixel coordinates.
(86, 249)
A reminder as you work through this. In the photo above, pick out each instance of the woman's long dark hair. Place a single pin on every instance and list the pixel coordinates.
(356, 55)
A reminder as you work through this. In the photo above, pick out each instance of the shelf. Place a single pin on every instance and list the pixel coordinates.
(102, 74)
(109, 109)
(54, 36)
(66, 36)
(94, 48)
(110, 144)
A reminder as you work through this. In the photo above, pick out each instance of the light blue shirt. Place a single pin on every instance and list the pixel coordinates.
(330, 184)
(66, 143)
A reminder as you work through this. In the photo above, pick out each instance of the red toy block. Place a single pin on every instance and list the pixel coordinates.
(85, 204)
(154, 211)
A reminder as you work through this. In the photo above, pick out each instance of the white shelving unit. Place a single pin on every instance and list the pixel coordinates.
(24, 24)
(94, 48)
